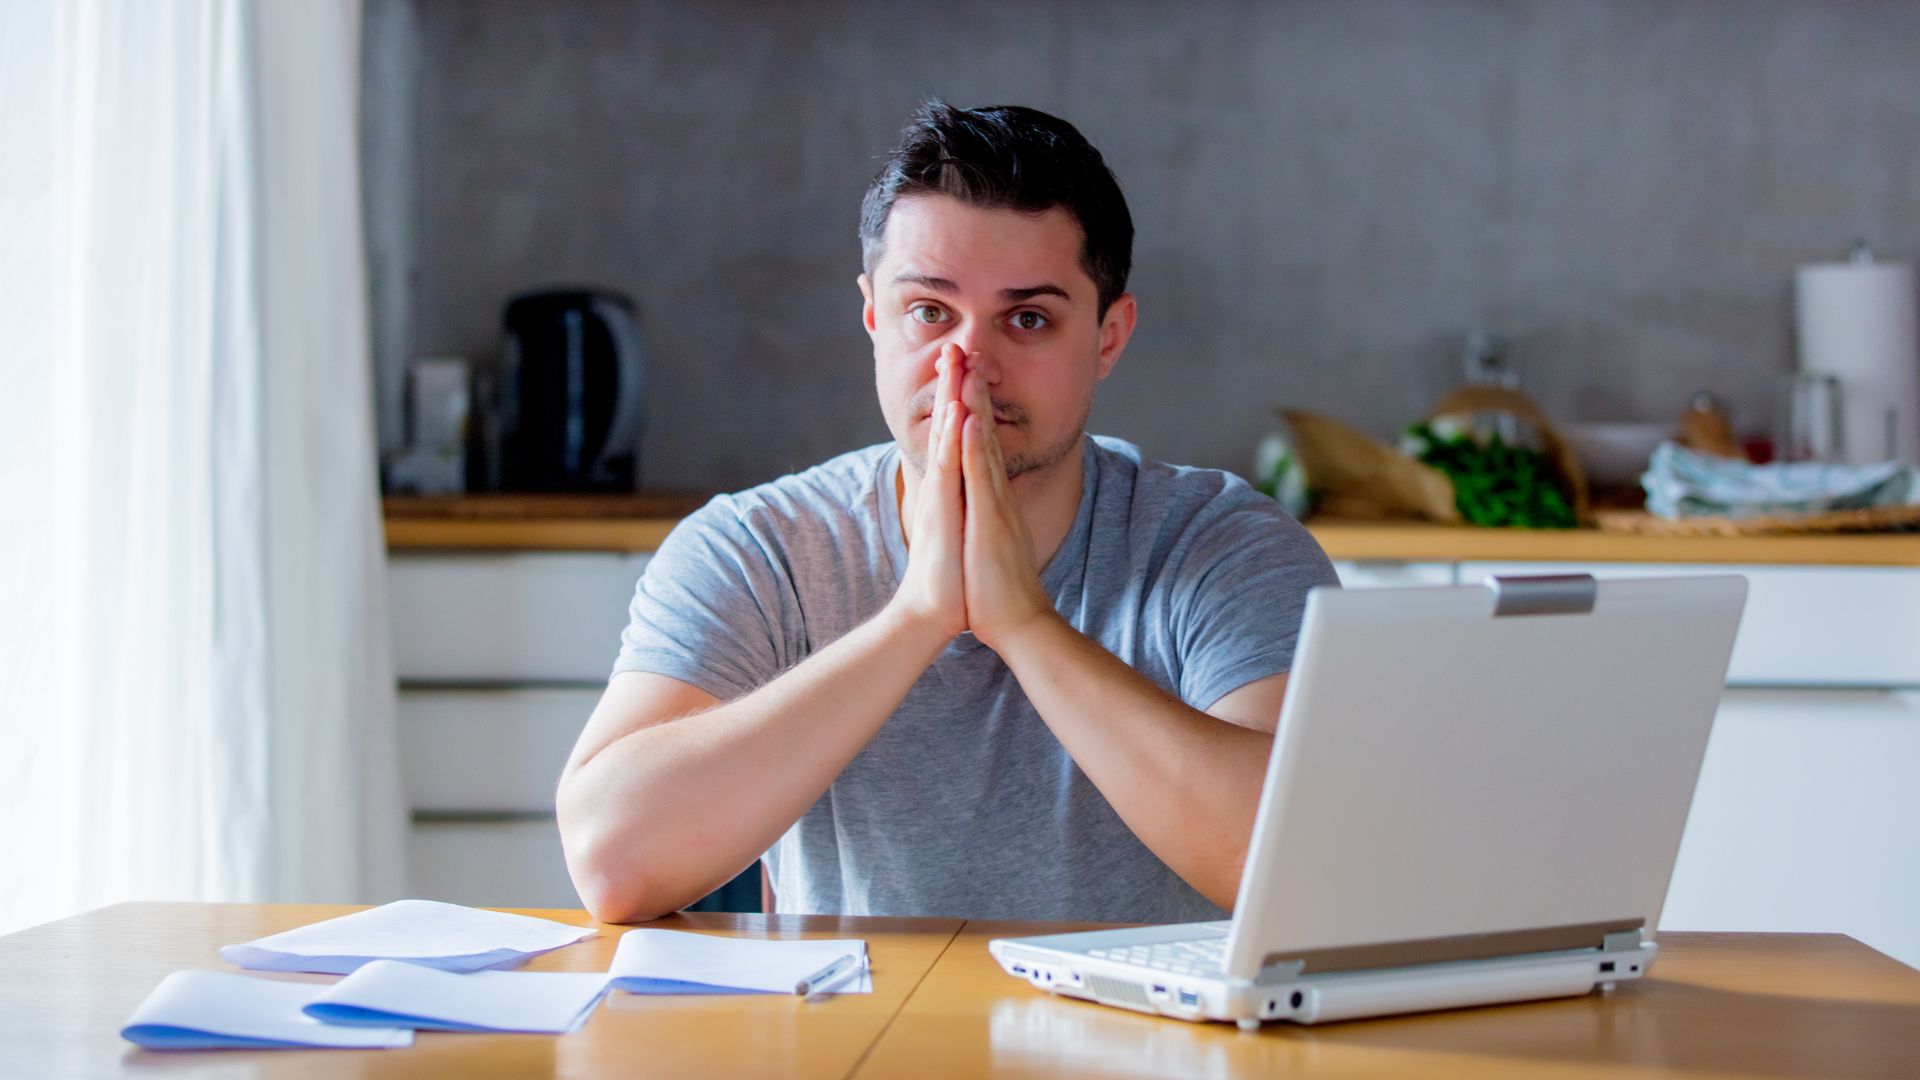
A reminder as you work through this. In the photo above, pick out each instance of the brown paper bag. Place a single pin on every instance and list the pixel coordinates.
(1353, 475)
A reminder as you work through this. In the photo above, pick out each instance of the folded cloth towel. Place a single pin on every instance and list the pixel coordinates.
(1682, 484)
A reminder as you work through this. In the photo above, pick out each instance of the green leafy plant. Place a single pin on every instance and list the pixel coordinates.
(1494, 482)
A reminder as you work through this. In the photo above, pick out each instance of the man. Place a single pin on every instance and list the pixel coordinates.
(994, 668)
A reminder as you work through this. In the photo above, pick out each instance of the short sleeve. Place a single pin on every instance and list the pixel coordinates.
(1240, 592)
(707, 609)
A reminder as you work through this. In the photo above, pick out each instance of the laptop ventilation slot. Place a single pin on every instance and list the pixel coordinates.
(1113, 990)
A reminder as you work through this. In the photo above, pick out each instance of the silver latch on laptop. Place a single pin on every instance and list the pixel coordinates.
(1543, 594)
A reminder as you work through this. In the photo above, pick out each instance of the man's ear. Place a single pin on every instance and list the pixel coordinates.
(866, 305)
(1116, 327)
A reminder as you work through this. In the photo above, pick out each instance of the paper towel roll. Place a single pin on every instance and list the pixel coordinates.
(1857, 321)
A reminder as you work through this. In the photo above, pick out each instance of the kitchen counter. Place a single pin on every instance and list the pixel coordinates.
(640, 523)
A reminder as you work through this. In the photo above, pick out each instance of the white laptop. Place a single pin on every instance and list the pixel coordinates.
(1475, 795)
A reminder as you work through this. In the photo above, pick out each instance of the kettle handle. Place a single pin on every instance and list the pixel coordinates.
(623, 434)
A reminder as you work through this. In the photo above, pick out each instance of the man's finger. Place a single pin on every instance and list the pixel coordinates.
(978, 468)
(996, 460)
(942, 510)
(943, 392)
(950, 438)
(993, 452)
(970, 447)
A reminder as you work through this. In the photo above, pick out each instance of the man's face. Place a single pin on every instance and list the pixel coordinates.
(1009, 289)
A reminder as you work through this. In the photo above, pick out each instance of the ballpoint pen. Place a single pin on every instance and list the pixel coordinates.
(827, 976)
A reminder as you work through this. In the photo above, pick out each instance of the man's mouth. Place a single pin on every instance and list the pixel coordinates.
(999, 419)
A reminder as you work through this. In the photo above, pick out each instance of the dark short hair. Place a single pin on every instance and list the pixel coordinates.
(1013, 158)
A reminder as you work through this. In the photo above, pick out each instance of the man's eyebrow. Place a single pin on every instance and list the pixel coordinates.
(1031, 291)
(1014, 296)
(937, 284)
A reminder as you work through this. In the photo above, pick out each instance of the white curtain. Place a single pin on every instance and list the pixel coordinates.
(196, 690)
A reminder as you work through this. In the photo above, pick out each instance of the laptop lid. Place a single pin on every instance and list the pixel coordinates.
(1481, 770)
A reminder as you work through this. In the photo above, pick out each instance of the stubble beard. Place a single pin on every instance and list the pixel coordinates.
(1018, 464)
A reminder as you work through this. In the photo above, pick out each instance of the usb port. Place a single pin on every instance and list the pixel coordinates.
(1606, 965)
(1160, 990)
(1018, 970)
(1189, 998)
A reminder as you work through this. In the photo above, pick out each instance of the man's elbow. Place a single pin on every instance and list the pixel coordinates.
(615, 890)
(611, 901)
(607, 870)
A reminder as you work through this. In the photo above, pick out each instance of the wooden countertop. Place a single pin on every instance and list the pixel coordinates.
(1773, 1005)
(640, 523)
(1419, 542)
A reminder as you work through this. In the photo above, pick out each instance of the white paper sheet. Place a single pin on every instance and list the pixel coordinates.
(390, 992)
(676, 962)
(211, 1010)
(444, 936)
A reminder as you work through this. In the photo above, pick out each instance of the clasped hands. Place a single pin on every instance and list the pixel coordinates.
(970, 562)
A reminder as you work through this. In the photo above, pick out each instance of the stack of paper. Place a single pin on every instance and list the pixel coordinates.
(418, 964)
(444, 936)
(388, 992)
(675, 962)
(206, 1010)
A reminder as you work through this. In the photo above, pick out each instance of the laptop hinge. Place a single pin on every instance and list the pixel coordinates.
(1544, 594)
(1624, 940)
(1613, 935)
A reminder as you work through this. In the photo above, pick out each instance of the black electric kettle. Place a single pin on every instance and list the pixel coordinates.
(569, 397)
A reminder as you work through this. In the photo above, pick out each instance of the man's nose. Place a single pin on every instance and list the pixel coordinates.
(982, 361)
(971, 335)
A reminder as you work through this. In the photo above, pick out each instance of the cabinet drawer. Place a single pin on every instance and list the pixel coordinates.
(1389, 573)
(519, 617)
(490, 864)
(1803, 626)
(1804, 819)
(488, 751)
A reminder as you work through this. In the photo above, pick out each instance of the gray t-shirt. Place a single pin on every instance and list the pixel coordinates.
(964, 803)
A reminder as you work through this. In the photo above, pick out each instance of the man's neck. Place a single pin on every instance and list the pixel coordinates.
(1049, 500)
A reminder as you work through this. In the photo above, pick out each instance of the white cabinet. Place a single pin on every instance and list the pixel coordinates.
(505, 618)
(1807, 814)
(1388, 573)
(501, 658)
(1803, 626)
(489, 751)
(1807, 817)
(486, 863)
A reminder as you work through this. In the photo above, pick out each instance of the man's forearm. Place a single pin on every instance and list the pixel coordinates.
(667, 812)
(1187, 784)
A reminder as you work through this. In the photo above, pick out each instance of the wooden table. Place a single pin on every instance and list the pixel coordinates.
(1760, 1005)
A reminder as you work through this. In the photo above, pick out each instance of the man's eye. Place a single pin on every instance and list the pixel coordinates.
(1029, 320)
(928, 313)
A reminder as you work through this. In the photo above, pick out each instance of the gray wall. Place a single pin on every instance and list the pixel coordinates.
(1327, 195)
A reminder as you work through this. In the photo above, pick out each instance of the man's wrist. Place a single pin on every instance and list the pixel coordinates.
(926, 631)
(1028, 634)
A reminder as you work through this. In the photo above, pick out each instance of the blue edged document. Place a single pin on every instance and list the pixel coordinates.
(677, 962)
(392, 993)
(212, 1010)
(445, 936)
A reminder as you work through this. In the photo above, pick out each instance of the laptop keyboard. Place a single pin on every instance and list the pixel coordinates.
(1204, 956)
